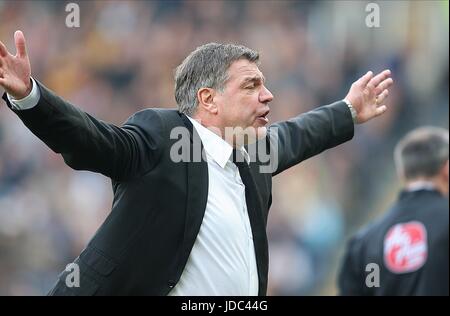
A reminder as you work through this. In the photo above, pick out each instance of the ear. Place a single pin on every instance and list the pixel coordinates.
(205, 97)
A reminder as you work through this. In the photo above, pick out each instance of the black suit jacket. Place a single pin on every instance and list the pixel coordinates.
(158, 207)
(430, 209)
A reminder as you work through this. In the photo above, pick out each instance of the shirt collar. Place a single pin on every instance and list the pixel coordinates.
(219, 150)
(420, 185)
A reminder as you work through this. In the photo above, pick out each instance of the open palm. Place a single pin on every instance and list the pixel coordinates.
(15, 70)
(368, 93)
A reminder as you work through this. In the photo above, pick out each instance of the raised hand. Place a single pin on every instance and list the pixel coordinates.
(15, 71)
(368, 93)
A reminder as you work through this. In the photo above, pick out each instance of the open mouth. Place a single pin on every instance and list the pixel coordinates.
(263, 117)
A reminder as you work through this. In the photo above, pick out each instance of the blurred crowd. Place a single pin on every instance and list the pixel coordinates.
(121, 59)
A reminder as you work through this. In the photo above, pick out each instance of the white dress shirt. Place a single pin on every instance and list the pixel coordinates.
(222, 260)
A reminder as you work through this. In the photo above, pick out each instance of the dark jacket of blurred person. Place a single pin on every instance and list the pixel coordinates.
(405, 252)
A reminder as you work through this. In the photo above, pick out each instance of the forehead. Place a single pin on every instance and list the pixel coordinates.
(242, 69)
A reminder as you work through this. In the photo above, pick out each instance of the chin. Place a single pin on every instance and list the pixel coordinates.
(246, 136)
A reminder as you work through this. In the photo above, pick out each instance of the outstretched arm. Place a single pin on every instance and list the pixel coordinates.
(84, 142)
(325, 127)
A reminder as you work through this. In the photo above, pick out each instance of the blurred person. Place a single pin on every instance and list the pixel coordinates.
(185, 227)
(410, 242)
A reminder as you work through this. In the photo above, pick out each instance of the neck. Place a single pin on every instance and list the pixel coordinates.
(432, 183)
(213, 127)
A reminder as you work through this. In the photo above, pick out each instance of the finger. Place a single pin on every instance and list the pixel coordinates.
(21, 49)
(3, 50)
(375, 81)
(382, 96)
(380, 110)
(385, 84)
(365, 79)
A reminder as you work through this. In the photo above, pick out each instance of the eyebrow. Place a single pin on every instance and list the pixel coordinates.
(253, 79)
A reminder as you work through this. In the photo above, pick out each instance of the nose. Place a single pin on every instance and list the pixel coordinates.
(265, 96)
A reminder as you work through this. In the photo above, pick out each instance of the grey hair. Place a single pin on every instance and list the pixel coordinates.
(206, 67)
(422, 152)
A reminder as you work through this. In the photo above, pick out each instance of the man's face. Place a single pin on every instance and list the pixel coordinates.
(243, 104)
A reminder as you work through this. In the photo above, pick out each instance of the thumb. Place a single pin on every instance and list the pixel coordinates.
(19, 40)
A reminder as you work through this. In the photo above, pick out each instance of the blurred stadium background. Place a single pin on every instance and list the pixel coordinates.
(121, 60)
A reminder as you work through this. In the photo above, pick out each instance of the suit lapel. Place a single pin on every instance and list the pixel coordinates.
(197, 194)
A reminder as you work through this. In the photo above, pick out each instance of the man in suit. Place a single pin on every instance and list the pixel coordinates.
(405, 252)
(180, 225)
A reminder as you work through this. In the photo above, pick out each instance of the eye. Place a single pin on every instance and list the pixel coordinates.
(253, 85)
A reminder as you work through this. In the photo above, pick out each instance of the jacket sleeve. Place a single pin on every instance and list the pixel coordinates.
(309, 134)
(87, 143)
